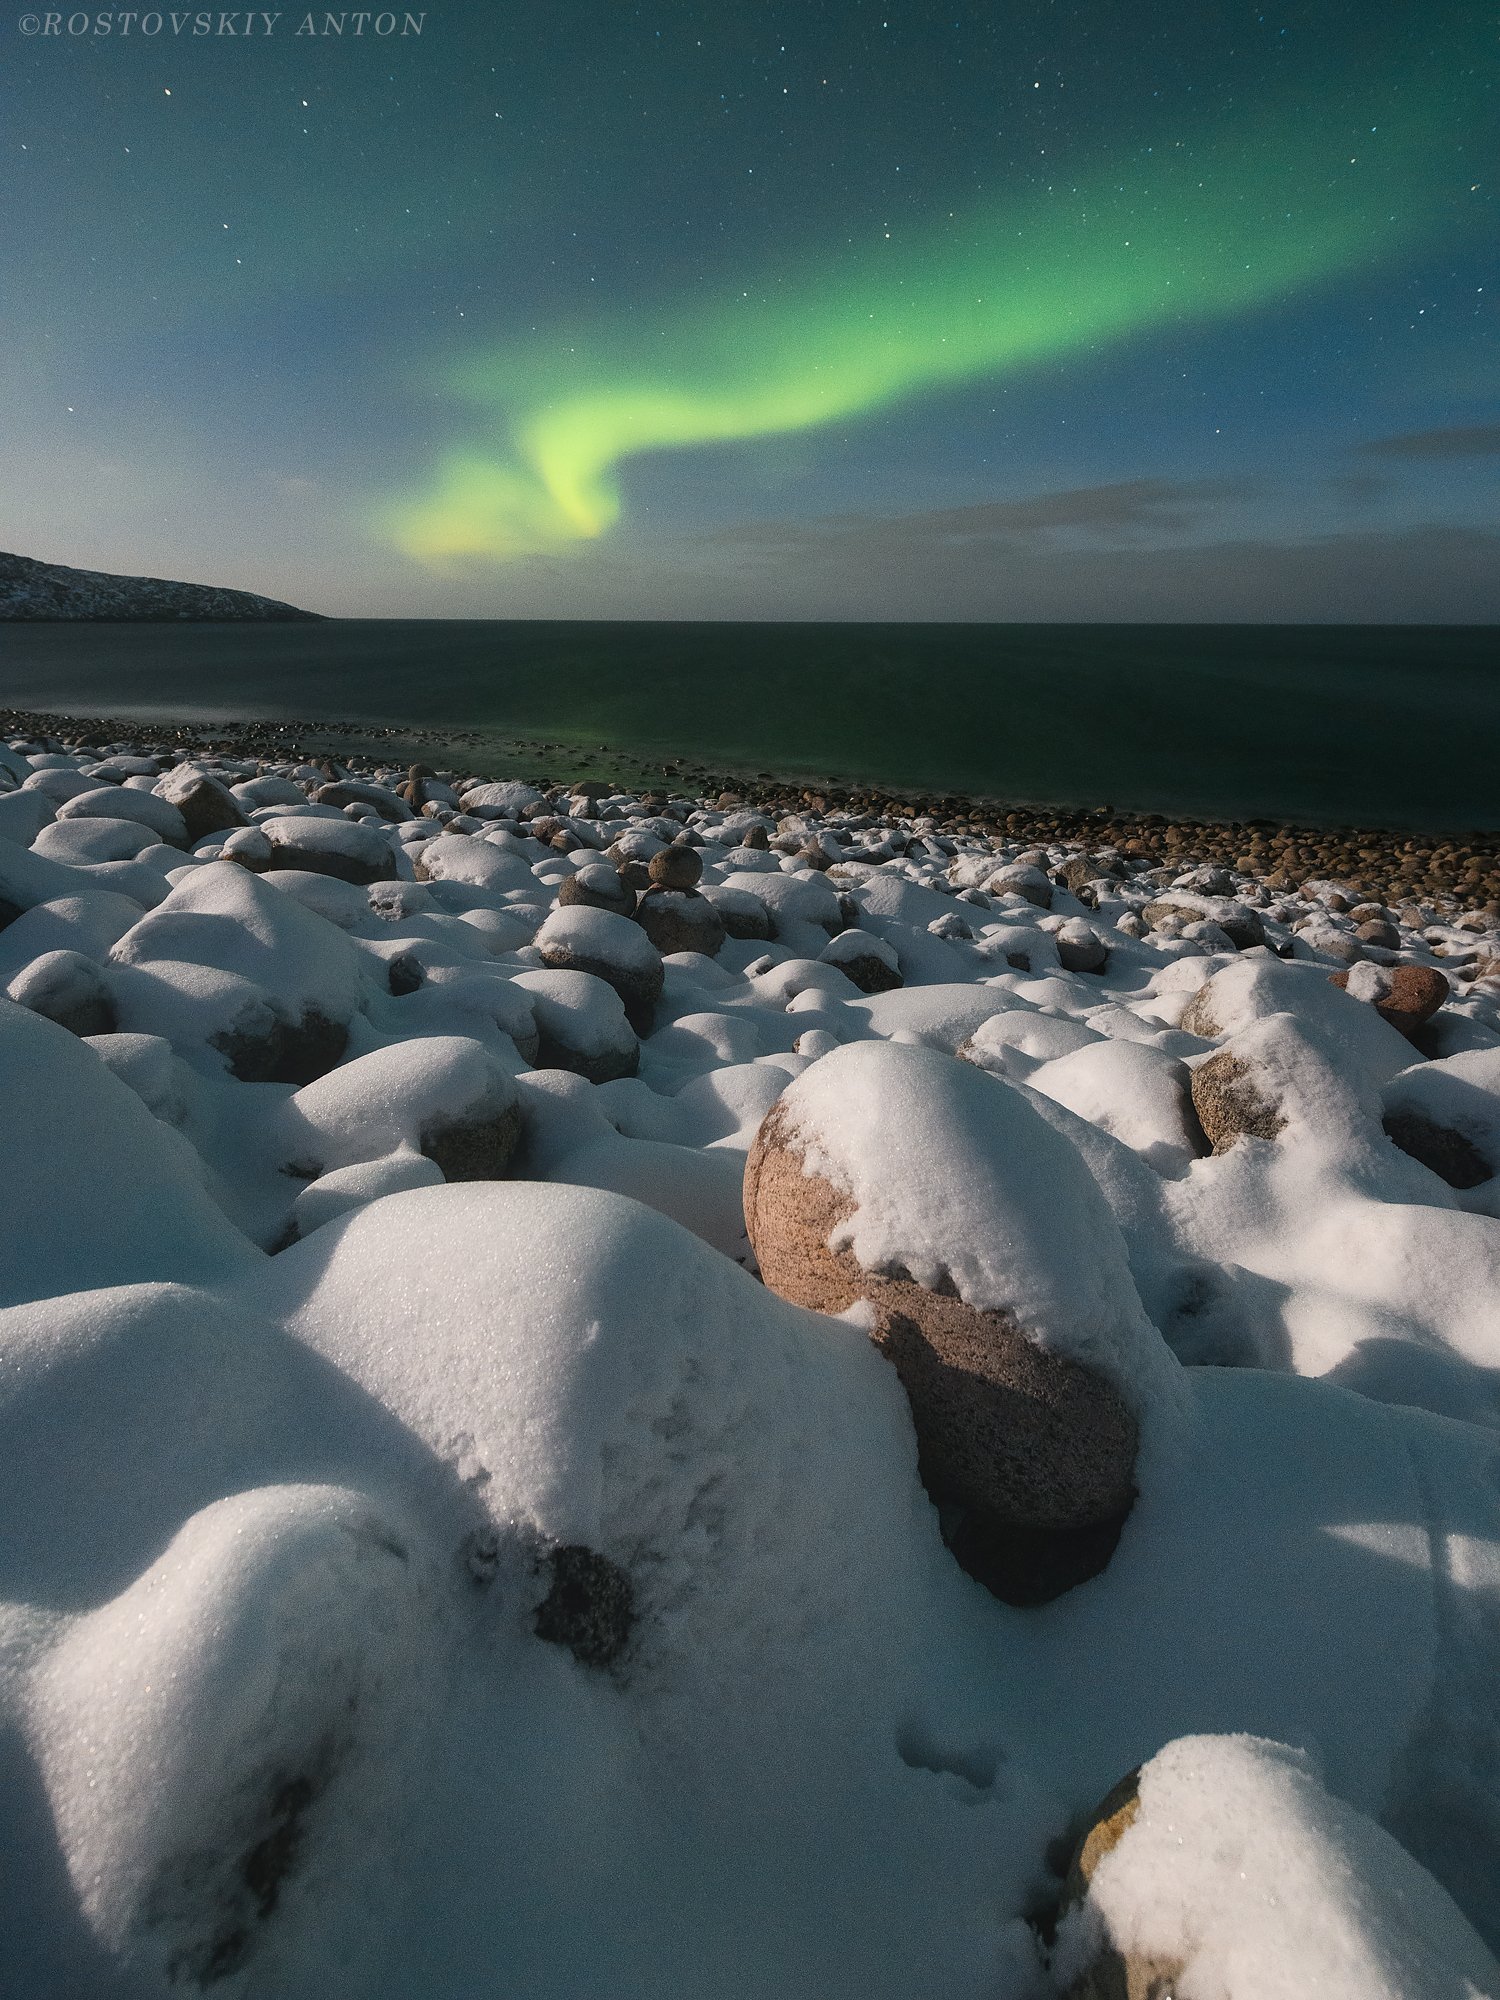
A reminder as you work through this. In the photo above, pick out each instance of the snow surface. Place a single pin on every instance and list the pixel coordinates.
(289, 1429)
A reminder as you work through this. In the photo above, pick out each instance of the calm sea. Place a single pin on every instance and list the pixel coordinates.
(1361, 725)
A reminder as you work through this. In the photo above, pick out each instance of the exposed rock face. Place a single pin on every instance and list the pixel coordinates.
(1021, 879)
(676, 867)
(742, 914)
(869, 961)
(1228, 1104)
(352, 792)
(1240, 924)
(1115, 1974)
(613, 949)
(37, 590)
(337, 848)
(295, 1052)
(1452, 1157)
(597, 887)
(589, 1607)
(1034, 1453)
(477, 1148)
(1080, 948)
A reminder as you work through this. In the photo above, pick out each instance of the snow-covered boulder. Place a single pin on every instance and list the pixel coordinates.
(580, 939)
(442, 1096)
(337, 847)
(901, 1181)
(680, 920)
(1224, 1867)
(581, 1025)
(120, 802)
(228, 962)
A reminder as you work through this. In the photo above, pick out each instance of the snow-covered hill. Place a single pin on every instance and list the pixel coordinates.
(31, 589)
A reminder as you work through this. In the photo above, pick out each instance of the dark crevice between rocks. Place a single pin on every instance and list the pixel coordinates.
(589, 1606)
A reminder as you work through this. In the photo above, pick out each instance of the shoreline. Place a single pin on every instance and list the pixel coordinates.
(1442, 871)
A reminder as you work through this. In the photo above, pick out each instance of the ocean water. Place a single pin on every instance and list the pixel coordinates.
(1355, 725)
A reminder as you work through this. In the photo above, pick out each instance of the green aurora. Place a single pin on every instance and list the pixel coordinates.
(1314, 195)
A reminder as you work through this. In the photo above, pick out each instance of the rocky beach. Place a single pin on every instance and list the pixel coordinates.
(715, 1386)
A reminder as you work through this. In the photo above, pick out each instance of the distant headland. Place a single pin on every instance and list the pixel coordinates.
(37, 590)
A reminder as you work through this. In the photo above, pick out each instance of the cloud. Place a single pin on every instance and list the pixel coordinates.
(1431, 574)
(1458, 441)
(1126, 506)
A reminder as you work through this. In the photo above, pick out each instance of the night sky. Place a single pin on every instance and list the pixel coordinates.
(845, 310)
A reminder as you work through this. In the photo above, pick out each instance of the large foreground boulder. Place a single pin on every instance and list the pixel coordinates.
(1223, 1867)
(987, 1268)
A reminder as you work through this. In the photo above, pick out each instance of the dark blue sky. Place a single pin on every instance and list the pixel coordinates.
(846, 310)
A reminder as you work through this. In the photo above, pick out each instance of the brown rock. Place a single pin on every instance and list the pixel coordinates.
(742, 915)
(869, 973)
(352, 792)
(1228, 1104)
(1413, 996)
(206, 805)
(414, 791)
(1031, 1455)
(1198, 1015)
(680, 920)
(676, 867)
(1080, 947)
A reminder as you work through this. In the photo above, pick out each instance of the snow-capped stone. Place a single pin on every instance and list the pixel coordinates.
(611, 947)
(337, 847)
(581, 1025)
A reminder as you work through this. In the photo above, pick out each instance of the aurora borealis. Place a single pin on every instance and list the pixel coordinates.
(971, 312)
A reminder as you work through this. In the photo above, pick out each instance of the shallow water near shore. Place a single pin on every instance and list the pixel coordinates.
(1320, 725)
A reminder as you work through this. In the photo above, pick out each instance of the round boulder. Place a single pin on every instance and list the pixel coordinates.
(993, 1278)
(676, 867)
(680, 920)
(742, 915)
(1404, 995)
(1080, 947)
(1021, 878)
(206, 804)
(67, 988)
